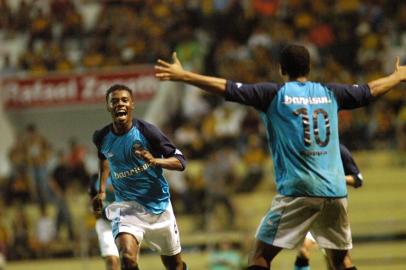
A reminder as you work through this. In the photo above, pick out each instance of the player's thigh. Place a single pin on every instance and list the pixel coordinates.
(106, 240)
(289, 219)
(332, 229)
(163, 235)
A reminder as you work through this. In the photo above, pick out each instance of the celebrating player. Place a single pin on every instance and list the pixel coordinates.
(108, 248)
(353, 178)
(301, 121)
(135, 153)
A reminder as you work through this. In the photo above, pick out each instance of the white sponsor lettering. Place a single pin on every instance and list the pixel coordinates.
(306, 100)
(133, 171)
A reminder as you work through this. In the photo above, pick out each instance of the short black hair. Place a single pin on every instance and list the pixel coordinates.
(116, 87)
(295, 61)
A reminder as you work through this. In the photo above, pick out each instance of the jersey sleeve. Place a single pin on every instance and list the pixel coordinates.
(97, 138)
(258, 95)
(350, 167)
(160, 145)
(351, 96)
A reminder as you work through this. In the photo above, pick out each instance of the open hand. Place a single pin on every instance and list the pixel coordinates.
(165, 71)
(401, 70)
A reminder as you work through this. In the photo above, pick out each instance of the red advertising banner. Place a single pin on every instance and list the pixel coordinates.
(74, 89)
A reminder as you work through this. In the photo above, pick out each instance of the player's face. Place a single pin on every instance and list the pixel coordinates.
(120, 104)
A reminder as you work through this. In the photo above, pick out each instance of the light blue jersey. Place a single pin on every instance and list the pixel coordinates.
(133, 179)
(302, 126)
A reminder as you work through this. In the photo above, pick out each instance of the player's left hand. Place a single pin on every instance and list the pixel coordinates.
(165, 71)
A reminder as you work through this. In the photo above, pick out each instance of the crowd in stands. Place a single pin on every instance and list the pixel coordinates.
(39, 184)
(349, 41)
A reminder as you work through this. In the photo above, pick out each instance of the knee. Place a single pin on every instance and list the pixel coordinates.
(128, 261)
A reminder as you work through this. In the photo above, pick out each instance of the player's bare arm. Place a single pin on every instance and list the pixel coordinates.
(171, 163)
(174, 71)
(104, 171)
(383, 85)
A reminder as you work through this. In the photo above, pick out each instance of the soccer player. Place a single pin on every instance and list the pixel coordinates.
(135, 153)
(301, 121)
(353, 177)
(108, 248)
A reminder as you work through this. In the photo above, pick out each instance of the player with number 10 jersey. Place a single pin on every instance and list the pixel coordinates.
(306, 163)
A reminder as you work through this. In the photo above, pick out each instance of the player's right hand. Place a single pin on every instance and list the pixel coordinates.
(97, 204)
(165, 71)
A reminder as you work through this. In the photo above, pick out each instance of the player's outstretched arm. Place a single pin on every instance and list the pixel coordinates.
(174, 71)
(383, 85)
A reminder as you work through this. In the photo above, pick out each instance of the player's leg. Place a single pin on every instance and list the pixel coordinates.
(348, 262)
(262, 256)
(332, 232)
(302, 258)
(108, 248)
(164, 237)
(112, 262)
(174, 262)
(339, 259)
(128, 231)
(128, 249)
(284, 226)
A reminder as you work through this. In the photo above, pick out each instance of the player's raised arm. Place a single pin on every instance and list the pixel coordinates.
(174, 71)
(383, 85)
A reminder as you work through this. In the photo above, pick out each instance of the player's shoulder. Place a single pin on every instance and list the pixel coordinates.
(99, 134)
(144, 126)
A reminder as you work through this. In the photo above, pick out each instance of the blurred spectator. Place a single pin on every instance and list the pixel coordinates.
(18, 187)
(189, 139)
(45, 234)
(180, 195)
(20, 244)
(227, 122)
(22, 16)
(225, 257)
(254, 159)
(401, 135)
(40, 26)
(6, 15)
(59, 182)
(76, 163)
(8, 68)
(218, 178)
(4, 240)
(38, 154)
(18, 155)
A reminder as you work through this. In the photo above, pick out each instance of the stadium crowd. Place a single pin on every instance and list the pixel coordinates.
(349, 41)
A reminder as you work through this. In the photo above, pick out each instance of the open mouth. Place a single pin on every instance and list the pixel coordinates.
(120, 114)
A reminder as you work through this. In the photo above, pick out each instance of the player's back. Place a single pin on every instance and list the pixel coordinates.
(302, 127)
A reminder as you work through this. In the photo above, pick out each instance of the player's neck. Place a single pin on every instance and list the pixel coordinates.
(298, 79)
(122, 128)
